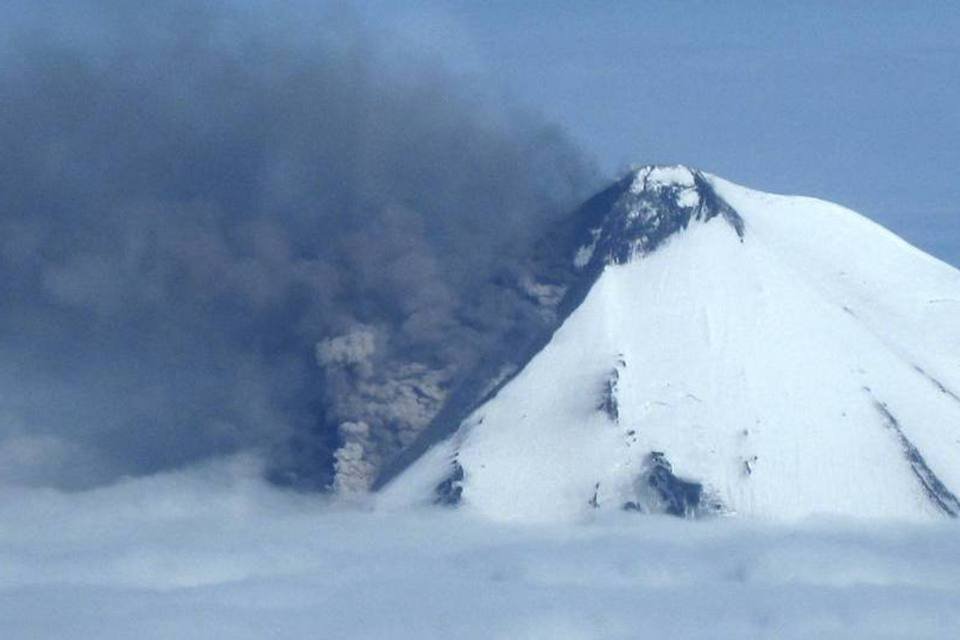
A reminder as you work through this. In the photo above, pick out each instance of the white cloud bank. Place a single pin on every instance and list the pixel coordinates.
(213, 553)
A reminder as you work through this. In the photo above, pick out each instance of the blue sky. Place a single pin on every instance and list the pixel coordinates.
(854, 102)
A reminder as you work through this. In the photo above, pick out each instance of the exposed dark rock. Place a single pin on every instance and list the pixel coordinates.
(748, 465)
(450, 490)
(648, 213)
(594, 501)
(660, 491)
(608, 403)
(679, 497)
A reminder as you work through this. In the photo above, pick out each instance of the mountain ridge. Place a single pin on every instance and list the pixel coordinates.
(779, 358)
(609, 227)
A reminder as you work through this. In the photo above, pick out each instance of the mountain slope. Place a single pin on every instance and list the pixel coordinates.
(737, 352)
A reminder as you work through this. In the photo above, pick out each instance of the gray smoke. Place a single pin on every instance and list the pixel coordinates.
(226, 229)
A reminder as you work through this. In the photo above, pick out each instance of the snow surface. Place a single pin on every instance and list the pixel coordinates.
(214, 553)
(812, 368)
(657, 177)
(665, 175)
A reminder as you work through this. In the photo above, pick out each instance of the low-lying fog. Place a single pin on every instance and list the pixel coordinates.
(216, 553)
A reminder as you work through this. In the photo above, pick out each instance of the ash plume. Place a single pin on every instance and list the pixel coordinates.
(226, 229)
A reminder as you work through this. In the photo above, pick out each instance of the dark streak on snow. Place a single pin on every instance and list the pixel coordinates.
(939, 385)
(594, 500)
(938, 493)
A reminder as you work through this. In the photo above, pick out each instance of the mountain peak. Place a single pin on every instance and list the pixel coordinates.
(659, 176)
(657, 201)
(810, 369)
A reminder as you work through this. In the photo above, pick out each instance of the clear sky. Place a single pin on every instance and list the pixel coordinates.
(854, 102)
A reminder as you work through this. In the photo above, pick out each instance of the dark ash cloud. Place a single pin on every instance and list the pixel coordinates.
(222, 232)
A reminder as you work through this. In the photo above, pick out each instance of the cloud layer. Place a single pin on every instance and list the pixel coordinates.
(215, 553)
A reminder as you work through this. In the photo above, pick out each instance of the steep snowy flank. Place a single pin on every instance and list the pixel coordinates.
(630, 218)
(736, 353)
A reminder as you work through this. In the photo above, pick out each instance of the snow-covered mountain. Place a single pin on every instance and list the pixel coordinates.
(729, 351)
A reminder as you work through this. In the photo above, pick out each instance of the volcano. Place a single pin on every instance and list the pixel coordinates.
(719, 350)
